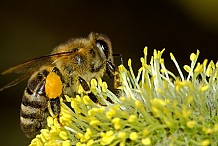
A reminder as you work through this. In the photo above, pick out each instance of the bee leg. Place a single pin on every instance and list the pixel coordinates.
(54, 103)
(57, 71)
(112, 72)
(54, 107)
(85, 86)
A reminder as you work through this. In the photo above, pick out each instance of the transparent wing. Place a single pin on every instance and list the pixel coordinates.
(15, 82)
(34, 64)
(29, 67)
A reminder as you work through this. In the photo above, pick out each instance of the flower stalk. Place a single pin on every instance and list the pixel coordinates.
(154, 107)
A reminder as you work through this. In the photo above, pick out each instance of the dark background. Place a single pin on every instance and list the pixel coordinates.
(29, 29)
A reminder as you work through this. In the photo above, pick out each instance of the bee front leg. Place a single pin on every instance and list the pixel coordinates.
(112, 72)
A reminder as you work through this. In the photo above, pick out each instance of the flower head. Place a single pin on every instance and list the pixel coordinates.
(154, 107)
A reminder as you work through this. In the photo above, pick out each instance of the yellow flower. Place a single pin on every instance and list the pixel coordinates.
(154, 107)
(146, 141)
(133, 136)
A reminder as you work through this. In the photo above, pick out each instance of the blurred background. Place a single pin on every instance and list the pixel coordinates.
(29, 29)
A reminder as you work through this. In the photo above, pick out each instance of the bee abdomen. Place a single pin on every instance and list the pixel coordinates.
(34, 111)
(29, 112)
(34, 100)
(32, 127)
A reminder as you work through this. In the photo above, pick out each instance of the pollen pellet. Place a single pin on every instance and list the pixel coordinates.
(53, 85)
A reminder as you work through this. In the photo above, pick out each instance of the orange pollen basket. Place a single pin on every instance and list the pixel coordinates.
(53, 85)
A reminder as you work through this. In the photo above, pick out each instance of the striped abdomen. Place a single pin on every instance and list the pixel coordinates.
(34, 105)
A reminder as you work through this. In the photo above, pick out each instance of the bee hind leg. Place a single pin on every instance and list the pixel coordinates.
(54, 108)
(58, 72)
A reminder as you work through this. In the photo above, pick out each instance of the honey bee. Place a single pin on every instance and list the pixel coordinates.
(69, 65)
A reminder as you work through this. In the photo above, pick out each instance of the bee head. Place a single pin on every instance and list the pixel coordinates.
(103, 45)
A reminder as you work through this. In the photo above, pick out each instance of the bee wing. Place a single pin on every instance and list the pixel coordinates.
(14, 82)
(34, 64)
(29, 67)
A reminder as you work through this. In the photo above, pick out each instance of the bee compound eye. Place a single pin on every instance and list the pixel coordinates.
(102, 45)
